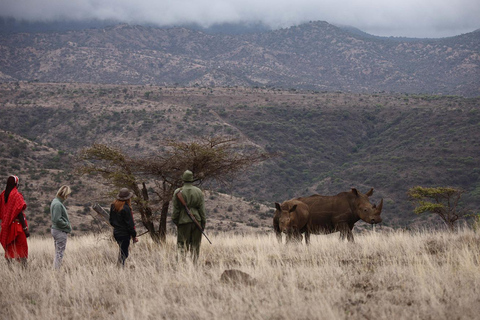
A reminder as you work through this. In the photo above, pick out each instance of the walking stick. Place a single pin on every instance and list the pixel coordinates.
(141, 234)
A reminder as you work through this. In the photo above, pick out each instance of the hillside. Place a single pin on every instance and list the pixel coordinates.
(42, 170)
(315, 56)
(328, 142)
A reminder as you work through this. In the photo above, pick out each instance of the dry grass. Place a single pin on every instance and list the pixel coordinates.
(382, 276)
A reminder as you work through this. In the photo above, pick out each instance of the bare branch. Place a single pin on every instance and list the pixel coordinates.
(218, 158)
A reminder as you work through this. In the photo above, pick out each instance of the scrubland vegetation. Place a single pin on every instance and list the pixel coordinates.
(327, 142)
(400, 275)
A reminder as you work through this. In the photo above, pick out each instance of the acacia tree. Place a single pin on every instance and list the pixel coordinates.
(117, 168)
(209, 158)
(442, 201)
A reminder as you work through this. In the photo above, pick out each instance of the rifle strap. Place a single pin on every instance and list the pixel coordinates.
(182, 200)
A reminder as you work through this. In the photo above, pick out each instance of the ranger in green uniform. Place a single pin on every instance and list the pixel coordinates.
(188, 235)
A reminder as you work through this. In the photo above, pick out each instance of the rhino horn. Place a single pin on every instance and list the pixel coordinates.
(369, 193)
(380, 206)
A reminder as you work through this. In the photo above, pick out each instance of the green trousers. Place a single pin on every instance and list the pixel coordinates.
(189, 239)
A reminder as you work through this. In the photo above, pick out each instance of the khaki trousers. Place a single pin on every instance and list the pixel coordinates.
(189, 239)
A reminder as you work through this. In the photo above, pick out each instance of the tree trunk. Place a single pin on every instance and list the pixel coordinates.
(451, 225)
(163, 222)
(151, 227)
(147, 216)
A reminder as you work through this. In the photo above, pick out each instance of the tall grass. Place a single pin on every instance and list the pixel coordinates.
(421, 275)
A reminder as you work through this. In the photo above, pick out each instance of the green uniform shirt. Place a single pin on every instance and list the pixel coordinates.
(195, 201)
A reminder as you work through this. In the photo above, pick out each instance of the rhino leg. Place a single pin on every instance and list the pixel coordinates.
(298, 236)
(346, 232)
(279, 236)
(292, 237)
(307, 237)
(276, 228)
(350, 236)
(289, 238)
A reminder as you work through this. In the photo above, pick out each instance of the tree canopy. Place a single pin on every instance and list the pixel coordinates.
(217, 159)
(442, 201)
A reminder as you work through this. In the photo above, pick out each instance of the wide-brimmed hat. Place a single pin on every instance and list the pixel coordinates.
(124, 194)
(187, 176)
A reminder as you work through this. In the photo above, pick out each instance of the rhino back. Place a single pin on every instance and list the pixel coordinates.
(326, 212)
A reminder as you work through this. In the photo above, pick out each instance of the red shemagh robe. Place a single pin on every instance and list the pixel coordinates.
(12, 236)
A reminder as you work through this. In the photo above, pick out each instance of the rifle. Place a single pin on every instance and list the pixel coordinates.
(190, 215)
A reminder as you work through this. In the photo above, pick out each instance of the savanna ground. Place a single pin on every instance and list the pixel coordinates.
(399, 275)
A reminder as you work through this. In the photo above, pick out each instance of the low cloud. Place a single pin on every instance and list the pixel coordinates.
(413, 18)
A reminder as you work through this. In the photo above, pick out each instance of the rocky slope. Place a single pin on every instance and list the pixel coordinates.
(315, 56)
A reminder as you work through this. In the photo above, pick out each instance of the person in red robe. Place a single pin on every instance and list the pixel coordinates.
(14, 232)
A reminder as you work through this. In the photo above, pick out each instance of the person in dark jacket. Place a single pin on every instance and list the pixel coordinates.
(189, 236)
(121, 219)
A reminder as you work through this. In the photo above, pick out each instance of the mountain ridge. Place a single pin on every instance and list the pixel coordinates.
(312, 56)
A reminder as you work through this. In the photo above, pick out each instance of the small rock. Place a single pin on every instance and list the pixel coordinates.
(234, 276)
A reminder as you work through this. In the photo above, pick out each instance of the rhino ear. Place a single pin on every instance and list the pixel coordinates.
(355, 192)
(277, 206)
(369, 193)
(293, 208)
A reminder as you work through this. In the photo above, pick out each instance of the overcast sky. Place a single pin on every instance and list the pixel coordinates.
(410, 18)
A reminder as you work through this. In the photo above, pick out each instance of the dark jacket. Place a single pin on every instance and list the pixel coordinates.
(122, 222)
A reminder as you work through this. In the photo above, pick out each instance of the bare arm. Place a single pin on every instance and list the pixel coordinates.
(21, 219)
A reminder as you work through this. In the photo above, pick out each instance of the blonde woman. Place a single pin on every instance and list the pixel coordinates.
(60, 224)
(121, 219)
